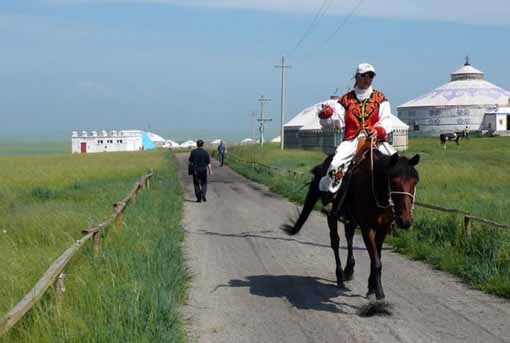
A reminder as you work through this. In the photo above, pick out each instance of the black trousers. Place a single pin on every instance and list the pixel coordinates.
(200, 183)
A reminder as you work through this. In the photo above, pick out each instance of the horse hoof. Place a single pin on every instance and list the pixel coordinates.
(371, 297)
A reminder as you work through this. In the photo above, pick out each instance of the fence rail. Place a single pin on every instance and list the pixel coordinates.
(468, 217)
(54, 274)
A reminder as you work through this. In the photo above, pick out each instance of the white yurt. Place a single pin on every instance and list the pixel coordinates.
(454, 106)
(170, 144)
(157, 139)
(248, 141)
(305, 132)
(276, 139)
(216, 141)
(188, 144)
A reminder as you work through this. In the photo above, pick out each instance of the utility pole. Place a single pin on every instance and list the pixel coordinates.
(262, 120)
(282, 100)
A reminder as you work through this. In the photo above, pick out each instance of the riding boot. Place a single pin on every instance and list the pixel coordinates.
(327, 202)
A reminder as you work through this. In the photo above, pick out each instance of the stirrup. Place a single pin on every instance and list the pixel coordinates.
(327, 209)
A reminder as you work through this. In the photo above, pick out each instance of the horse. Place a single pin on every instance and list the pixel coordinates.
(452, 136)
(379, 191)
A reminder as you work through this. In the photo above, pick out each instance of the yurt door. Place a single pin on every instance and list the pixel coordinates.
(83, 147)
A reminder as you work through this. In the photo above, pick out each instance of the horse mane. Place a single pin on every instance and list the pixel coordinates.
(401, 168)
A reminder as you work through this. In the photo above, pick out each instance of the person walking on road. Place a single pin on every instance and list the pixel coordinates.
(199, 166)
(221, 153)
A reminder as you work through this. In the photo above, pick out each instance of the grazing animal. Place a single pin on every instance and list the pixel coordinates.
(452, 136)
(380, 191)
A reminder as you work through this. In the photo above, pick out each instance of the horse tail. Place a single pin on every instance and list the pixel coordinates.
(310, 200)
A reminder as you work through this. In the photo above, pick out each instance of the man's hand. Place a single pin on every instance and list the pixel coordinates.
(326, 111)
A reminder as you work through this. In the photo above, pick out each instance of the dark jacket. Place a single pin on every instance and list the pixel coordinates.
(198, 160)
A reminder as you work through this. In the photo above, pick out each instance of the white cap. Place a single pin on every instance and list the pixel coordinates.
(365, 68)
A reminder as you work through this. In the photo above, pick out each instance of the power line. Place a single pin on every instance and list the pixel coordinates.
(322, 10)
(346, 19)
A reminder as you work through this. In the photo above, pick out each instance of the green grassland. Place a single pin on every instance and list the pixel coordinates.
(132, 291)
(13, 148)
(472, 177)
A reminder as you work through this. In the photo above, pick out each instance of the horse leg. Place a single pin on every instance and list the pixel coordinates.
(379, 240)
(349, 235)
(335, 243)
(374, 282)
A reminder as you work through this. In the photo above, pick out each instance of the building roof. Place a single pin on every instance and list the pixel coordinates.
(467, 87)
(307, 119)
(188, 144)
(247, 140)
(156, 138)
(396, 123)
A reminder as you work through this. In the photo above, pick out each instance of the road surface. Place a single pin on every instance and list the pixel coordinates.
(253, 283)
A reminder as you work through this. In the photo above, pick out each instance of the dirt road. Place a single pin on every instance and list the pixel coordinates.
(252, 283)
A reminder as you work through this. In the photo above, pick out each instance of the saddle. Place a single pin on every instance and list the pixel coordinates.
(362, 150)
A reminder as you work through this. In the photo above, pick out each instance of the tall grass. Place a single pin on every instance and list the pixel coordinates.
(133, 290)
(472, 176)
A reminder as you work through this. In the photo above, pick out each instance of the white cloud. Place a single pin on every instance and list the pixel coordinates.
(492, 12)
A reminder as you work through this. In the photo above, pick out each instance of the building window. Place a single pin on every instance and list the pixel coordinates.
(119, 141)
(501, 122)
(412, 113)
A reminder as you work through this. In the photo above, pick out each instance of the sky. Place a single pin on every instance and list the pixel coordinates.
(189, 69)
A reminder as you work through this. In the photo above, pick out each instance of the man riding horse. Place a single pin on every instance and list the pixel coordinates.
(380, 185)
(362, 112)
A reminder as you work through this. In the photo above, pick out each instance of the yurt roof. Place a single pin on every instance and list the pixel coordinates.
(188, 144)
(396, 123)
(216, 141)
(247, 140)
(307, 119)
(155, 138)
(467, 87)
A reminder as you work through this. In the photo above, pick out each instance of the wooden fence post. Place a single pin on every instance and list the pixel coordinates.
(117, 211)
(97, 242)
(467, 226)
(59, 290)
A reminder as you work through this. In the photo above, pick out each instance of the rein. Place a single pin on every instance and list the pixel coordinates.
(391, 204)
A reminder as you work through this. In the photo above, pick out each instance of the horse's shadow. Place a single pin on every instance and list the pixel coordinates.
(302, 292)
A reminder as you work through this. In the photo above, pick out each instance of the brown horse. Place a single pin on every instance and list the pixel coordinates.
(379, 190)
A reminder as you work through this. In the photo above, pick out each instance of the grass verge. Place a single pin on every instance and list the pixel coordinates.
(131, 292)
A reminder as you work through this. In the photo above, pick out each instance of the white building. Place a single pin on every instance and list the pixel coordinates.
(277, 139)
(497, 121)
(248, 141)
(459, 104)
(188, 144)
(125, 140)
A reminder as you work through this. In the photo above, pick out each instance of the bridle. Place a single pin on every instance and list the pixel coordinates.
(391, 204)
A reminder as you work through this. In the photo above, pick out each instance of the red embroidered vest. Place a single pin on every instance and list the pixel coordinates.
(361, 115)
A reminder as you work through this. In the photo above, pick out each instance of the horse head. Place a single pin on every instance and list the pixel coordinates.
(402, 179)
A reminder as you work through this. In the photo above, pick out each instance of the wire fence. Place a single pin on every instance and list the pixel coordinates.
(55, 273)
